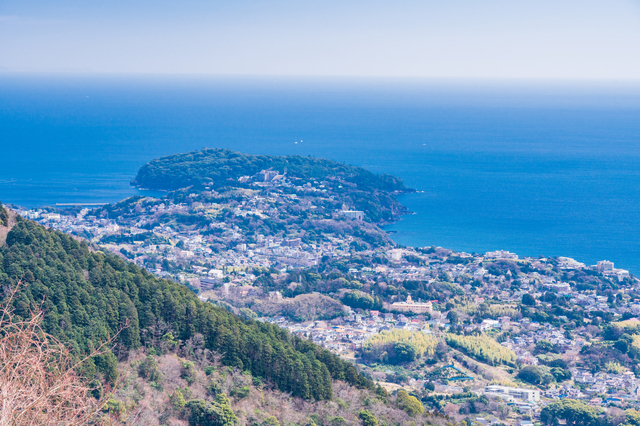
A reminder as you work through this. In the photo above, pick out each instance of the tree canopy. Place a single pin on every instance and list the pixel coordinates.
(409, 403)
(398, 346)
(214, 167)
(483, 348)
(573, 412)
(88, 296)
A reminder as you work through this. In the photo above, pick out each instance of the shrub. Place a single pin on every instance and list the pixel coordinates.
(534, 375)
(241, 392)
(149, 369)
(188, 372)
(367, 418)
(217, 413)
(177, 399)
(409, 404)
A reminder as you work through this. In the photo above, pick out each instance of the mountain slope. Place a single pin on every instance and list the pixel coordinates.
(88, 296)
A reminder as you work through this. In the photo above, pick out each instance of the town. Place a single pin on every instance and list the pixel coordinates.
(294, 254)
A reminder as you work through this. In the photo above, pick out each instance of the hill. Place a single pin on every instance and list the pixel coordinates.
(179, 360)
(221, 169)
(215, 167)
(89, 295)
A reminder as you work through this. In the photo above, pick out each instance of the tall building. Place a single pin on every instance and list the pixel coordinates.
(267, 175)
(604, 266)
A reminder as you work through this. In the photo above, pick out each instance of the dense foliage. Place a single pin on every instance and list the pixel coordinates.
(572, 412)
(409, 403)
(221, 169)
(398, 346)
(483, 348)
(213, 167)
(360, 300)
(535, 375)
(88, 296)
(304, 307)
(217, 413)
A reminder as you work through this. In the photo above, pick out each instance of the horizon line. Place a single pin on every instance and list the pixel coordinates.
(494, 79)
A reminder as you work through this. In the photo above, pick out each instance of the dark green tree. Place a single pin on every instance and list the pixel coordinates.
(453, 317)
(572, 412)
(531, 374)
(528, 300)
(217, 413)
(367, 418)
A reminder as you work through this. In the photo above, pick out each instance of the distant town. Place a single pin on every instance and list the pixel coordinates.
(293, 253)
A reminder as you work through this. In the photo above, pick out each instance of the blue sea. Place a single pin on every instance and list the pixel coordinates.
(533, 168)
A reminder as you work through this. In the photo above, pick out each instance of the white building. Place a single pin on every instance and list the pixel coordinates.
(215, 273)
(353, 214)
(501, 254)
(604, 266)
(560, 287)
(508, 393)
(569, 263)
(267, 175)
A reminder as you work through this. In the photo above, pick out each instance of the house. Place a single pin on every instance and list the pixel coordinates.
(352, 214)
(488, 324)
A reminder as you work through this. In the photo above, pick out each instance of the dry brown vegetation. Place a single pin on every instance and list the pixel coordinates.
(304, 307)
(144, 401)
(4, 230)
(38, 380)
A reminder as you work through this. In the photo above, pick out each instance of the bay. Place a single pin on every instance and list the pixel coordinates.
(533, 168)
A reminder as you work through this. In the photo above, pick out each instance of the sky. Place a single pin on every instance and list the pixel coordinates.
(476, 39)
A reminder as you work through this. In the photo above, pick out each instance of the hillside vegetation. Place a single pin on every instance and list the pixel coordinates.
(175, 388)
(482, 348)
(398, 346)
(214, 167)
(333, 185)
(178, 360)
(4, 216)
(5, 223)
(88, 296)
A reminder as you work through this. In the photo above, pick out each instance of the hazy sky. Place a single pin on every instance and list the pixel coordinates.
(558, 39)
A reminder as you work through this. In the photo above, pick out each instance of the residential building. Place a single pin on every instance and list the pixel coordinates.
(532, 395)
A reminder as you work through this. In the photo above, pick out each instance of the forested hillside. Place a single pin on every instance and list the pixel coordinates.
(88, 296)
(213, 167)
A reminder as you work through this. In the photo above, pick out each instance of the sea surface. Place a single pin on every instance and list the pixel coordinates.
(533, 168)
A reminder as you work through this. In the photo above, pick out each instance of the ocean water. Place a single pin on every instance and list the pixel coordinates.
(536, 169)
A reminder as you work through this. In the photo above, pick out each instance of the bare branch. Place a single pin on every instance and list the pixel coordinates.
(39, 384)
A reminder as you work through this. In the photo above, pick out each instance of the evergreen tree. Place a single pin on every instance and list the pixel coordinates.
(90, 296)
